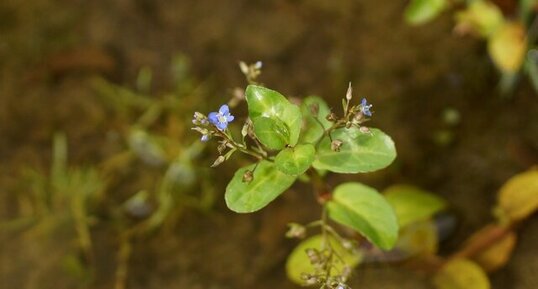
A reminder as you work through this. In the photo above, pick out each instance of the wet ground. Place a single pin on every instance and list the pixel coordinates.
(50, 51)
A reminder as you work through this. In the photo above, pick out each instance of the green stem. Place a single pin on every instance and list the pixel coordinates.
(239, 146)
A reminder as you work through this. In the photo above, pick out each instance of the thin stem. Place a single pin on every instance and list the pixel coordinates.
(239, 146)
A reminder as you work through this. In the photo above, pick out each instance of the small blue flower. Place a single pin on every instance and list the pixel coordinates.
(221, 118)
(365, 107)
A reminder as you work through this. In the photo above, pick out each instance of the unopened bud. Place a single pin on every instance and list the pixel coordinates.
(222, 147)
(331, 117)
(313, 255)
(218, 161)
(248, 176)
(309, 279)
(296, 231)
(364, 129)
(243, 66)
(336, 144)
(349, 93)
(244, 130)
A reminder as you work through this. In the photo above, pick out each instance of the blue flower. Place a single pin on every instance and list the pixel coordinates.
(221, 118)
(365, 107)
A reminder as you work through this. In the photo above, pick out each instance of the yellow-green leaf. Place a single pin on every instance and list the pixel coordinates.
(507, 47)
(461, 274)
(418, 239)
(498, 254)
(299, 263)
(480, 17)
(412, 204)
(518, 198)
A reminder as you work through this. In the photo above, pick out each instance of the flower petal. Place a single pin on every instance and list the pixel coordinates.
(224, 109)
(222, 125)
(230, 118)
(213, 118)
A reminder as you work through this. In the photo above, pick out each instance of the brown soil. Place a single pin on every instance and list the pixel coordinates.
(51, 50)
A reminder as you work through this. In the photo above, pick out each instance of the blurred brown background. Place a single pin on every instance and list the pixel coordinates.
(52, 51)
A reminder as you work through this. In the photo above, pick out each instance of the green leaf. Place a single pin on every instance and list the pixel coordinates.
(271, 132)
(264, 102)
(312, 129)
(359, 153)
(295, 161)
(412, 204)
(267, 184)
(461, 274)
(299, 263)
(365, 210)
(421, 11)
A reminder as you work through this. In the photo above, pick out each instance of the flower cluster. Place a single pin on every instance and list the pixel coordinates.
(206, 124)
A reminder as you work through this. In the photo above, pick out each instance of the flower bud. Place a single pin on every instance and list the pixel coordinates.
(331, 117)
(218, 161)
(296, 231)
(349, 93)
(336, 144)
(248, 176)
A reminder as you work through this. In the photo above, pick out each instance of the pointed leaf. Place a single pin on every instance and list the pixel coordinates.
(296, 160)
(298, 262)
(271, 132)
(412, 204)
(359, 153)
(267, 184)
(365, 210)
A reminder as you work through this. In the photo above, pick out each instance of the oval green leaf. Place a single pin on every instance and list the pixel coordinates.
(264, 102)
(299, 263)
(312, 130)
(271, 132)
(359, 153)
(461, 274)
(296, 160)
(267, 184)
(421, 11)
(366, 211)
(412, 204)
